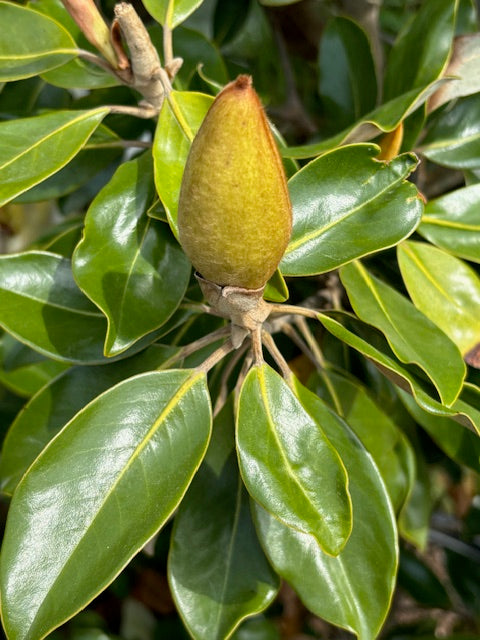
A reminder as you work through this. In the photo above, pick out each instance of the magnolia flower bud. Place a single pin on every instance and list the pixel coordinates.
(234, 215)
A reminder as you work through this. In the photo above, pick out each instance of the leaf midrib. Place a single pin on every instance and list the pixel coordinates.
(318, 232)
(59, 130)
(170, 406)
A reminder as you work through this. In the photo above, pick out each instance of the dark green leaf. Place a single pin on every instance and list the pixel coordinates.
(31, 43)
(41, 305)
(454, 140)
(54, 405)
(422, 49)
(220, 575)
(288, 464)
(413, 337)
(25, 377)
(459, 443)
(179, 120)
(97, 493)
(380, 436)
(128, 263)
(354, 589)
(335, 222)
(276, 289)
(32, 149)
(348, 86)
(452, 222)
(420, 582)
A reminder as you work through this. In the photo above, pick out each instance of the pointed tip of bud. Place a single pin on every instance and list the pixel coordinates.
(242, 82)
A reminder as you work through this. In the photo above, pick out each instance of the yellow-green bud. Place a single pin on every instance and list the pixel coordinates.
(234, 215)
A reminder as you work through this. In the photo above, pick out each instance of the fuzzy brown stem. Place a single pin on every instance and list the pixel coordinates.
(276, 354)
(145, 63)
(218, 355)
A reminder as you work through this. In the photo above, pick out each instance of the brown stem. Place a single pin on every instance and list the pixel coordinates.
(145, 63)
(218, 355)
(256, 336)
(227, 372)
(311, 342)
(276, 354)
(195, 346)
(293, 309)
(142, 111)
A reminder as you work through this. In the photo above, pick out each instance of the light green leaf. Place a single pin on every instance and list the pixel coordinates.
(458, 443)
(335, 222)
(54, 405)
(179, 120)
(466, 410)
(97, 494)
(127, 263)
(352, 590)
(31, 43)
(452, 222)
(32, 149)
(219, 575)
(171, 13)
(276, 289)
(422, 49)
(347, 86)
(380, 436)
(413, 337)
(287, 463)
(102, 149)
(41, 306)
(446, 290)
(454, 139)
(383, 119)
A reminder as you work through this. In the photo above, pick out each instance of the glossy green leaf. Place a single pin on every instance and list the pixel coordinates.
(446, 290)
(413, 337)
(54, 405)
(77, 73)
(452, 222)
(219, 575)
(23, 371)
(41, 306)
(466, 409)
(31, 43)
(422, 49)
(354, 589)
(62, 238)
(463, 70)
(380, 436)
(127, 458)
(458, 443)
(171, 13)
(347, 85)
(99, 152)
(178, 122)
(127, 263)
(383, 119)
(335, 222)
(288, 464)
(260, 628)
(454, 139)
(32, 149)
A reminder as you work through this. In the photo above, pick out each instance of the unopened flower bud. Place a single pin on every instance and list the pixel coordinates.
(235, 216)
